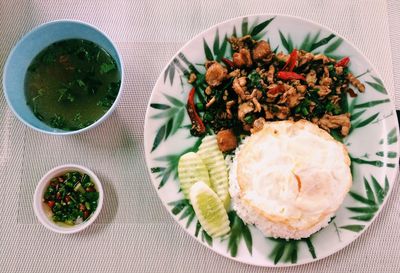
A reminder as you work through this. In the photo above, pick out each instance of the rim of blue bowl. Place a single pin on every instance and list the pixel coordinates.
(60, 132)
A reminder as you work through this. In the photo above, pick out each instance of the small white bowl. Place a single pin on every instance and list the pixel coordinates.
(43, 213)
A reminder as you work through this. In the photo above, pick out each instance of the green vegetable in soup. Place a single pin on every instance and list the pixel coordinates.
(71, 84)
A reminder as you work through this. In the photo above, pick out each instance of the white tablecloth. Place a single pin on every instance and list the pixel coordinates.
(134, 232)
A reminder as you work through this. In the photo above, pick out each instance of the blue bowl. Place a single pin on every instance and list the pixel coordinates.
(26, 50)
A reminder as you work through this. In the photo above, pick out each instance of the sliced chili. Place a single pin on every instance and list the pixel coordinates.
(228, 62)
(198, 127)
(343, 62)
(291, 62)
(284, 75)
(277, 89)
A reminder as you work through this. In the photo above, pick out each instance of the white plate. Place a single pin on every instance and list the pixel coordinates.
(372, 144)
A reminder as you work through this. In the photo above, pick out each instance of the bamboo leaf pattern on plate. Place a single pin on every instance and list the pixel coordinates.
(186, 211)
(239, 230)
(287, 250)
(371, 201)
(377, 84)
(174, 115)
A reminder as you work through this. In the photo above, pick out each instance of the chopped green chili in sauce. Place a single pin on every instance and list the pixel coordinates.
(71, 197)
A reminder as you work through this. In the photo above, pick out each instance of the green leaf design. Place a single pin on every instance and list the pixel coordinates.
(174, 101)
(239, 230)
(377, 86)
(287, 43)
(379, 191)
(322, 42)
(354, 228)
(159, 137)
(206, 237)
(207, 51)
(168, 128)
(222, 49)
(355, 116)
(288, 250)
(379, 81)
(371, 103)
(392, 136)
(170, 71)
(365, 122)
(216, 42)
(334, 46)
(245, 26)
(174, 115)
(311, 247)
(375, 196)
(159, 106)
(376, 163)
(260, 27)
(305, 44)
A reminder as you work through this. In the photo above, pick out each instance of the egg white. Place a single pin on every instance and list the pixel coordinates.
(290, 174)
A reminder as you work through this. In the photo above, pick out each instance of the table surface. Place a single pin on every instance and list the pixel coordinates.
(134, 232)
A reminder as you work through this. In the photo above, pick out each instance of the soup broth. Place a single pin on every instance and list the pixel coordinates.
(71, 84)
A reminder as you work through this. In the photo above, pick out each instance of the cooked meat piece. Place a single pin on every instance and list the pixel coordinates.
(282, 57)
(290, 97)
(322, 90)
(339, 70)
(356, 82)
(268, 112)
(239, 86)
(322, 57)
(258, 124)
(215, 74)
(262, 52)
(311, 78)
(229, 105)
(257, 105)
(208, 91)
(325, 81)
(243, 42)
(192, 78)
(335, 99)
(242, 58)
(270, 74)
(301, 89)
(210, 102)
(305, 57)
(342, 121)
(234, 74)
(281, 112)
(244, 109)
(226, 140)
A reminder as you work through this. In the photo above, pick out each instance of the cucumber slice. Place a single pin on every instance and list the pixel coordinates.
(215, 163)
(209, 210)
(190, 170)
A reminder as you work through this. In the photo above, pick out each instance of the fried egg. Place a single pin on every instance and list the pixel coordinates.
(289, 179)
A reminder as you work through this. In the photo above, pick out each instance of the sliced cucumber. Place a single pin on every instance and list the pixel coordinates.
(209, 210)
(215, 163)
(190, 170)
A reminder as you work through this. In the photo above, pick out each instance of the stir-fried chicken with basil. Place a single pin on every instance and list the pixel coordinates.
(257, 85)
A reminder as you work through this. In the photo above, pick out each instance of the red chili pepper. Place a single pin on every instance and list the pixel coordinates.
(291, 62)
(228, 62)
(284, 75)
(51, 204)
(198, 127)
(278, 89)
(343, 62)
